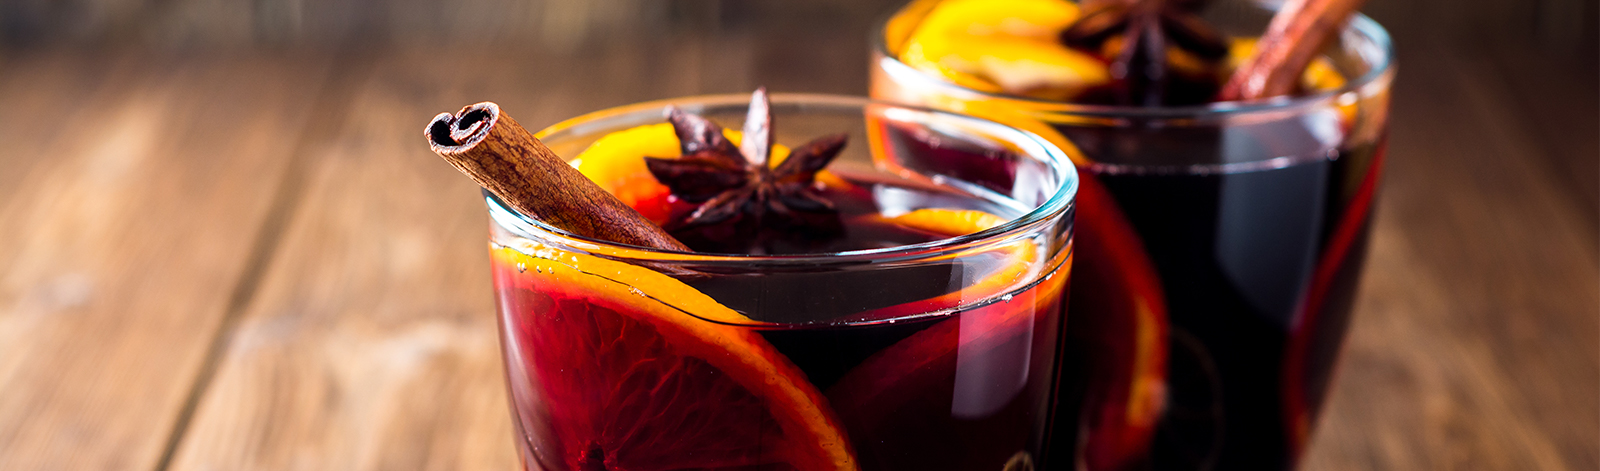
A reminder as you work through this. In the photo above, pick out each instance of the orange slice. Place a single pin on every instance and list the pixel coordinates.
(903, 399)
(1311, 351)
(904, 22)
(1014, 266)
(1119, 313)
(1019, 256)
(616, 163)
(1010, 269)
(1005, 45)
(1119, 318)
(1034, 19)
(1319, 76)
(1008, 266)
(1034, 68)
(949, 222)
(610, 370)
(931, 60)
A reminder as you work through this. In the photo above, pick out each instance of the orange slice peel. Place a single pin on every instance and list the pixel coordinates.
(652, 312)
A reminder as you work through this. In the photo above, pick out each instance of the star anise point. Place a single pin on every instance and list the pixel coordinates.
(732, 183)
(1146, 28)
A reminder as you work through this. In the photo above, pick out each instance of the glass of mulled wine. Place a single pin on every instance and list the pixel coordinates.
(917, 328)
(1221, 242)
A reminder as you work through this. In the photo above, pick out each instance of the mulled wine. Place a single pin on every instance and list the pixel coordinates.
(1219, 243)
(914, 325)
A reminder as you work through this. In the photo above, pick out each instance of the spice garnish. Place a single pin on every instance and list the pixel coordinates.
(1299, 30)
(1146, 27)
(504, 158)
(737, 185)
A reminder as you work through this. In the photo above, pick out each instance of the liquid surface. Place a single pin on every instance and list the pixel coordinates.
(864, 205)
(934, 366)
(1256, 270)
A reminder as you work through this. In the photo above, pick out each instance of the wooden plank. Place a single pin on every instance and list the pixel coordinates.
(1557, 105)
(1474, 341)
(35, 85)
(371, 343)
(124, 237)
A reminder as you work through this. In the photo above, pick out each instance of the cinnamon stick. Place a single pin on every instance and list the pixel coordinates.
(1297, 33)
(504, 158)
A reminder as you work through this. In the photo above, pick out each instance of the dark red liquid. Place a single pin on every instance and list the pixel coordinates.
(1244, 272)
(1259, 270)
(950, 384)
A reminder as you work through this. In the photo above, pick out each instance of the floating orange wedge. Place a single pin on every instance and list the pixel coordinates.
(1018, 257)
(1010, 46)
(1003, 46)
(616, 163)
(1120, 320)
(901, 399)
(611, 371)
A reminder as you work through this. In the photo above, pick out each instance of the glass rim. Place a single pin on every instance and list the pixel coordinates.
(1022, 226)
(1359, 23)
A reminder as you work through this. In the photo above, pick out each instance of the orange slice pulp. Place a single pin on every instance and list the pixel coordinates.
(1002, 46)
(631, 369)
(616, 163)
(610, 371)
(1010, 46)
(899, 402)
(1008, 268)
(1120, 319)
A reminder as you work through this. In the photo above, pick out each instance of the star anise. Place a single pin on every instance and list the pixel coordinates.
(736, 185)
(1146, 28)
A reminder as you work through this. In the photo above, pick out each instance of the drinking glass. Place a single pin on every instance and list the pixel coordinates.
(931, 356)
(1220, 251)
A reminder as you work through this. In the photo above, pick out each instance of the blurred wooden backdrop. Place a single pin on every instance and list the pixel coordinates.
(223, 244)
(1545, 51)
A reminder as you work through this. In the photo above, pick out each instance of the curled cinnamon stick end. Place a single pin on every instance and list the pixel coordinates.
(1297, 33)
(504, 158)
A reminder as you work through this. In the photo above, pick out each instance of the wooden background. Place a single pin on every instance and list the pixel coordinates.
(224, 244)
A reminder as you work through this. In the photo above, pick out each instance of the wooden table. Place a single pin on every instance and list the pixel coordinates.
(251, 261)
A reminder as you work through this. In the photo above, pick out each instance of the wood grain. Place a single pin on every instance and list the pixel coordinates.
(372, 343)
(1475, 341)
(47, 85)
(105, 316)
(1554, 103)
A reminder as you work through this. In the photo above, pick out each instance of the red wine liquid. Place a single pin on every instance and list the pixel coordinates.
(1259, 270)
(1258, 260)
(915, 383)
